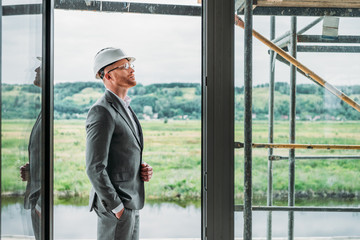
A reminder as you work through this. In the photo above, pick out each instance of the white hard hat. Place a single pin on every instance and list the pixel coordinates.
(107, 56)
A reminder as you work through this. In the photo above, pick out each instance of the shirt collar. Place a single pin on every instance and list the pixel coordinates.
(125, 102)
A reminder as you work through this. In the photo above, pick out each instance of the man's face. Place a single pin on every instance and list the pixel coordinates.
(119, 75)
(37, 79)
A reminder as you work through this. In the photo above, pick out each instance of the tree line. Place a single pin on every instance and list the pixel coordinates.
(178, 100)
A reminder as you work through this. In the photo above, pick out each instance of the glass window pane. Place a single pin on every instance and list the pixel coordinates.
(166, 100)
(21, 125)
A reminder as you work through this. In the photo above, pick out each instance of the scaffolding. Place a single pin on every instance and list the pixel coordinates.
(292, 37)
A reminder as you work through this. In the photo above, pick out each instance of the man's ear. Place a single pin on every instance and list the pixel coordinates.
(107, 76)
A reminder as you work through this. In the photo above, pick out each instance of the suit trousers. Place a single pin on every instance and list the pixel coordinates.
(36, 224)
(111, 228)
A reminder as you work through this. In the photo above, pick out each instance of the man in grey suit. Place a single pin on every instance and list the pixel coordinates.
(31, 171)
(114, 146)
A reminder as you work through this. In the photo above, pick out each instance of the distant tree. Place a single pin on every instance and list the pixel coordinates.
(263, 85)
(139, 89)
(31, 88)
(282, 87)
(176, 92)
(239, 90)
(148, 110)
(7, 87)
(198, 90)
(281, 108)
(350, 89)
(139, 102)
(167, 101)
(306, 89)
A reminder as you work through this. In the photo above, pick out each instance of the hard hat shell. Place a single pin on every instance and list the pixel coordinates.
(107, 56)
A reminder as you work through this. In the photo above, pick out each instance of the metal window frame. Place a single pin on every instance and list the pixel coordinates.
(106, 6)
(218, 120)
(47, 107)
(171, 9)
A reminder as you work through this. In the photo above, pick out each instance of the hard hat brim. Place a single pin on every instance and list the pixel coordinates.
(131, 59)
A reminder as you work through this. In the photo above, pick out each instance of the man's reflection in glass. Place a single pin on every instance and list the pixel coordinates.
(31, 171)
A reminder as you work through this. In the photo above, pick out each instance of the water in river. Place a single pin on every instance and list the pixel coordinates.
(174, 220)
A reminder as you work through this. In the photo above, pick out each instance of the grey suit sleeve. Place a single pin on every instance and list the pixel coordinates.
(99, 128)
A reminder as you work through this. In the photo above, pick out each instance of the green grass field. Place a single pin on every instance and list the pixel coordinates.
(174, 151)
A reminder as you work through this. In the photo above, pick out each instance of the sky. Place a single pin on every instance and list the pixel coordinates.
(166, 48)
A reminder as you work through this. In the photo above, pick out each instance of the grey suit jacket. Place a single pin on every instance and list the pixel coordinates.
(33, 187)
(113, 156)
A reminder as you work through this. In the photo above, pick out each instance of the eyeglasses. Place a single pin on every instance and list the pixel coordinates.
(124, 66)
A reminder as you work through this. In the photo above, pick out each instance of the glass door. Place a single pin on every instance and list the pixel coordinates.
(21, 124)
(25, 209)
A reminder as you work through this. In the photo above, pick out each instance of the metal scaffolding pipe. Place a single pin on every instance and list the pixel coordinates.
(304, 11)
(310, 74)
(320, 39)
(239, 208)
(329, 49)
(292, 114)
(271, 130)
(278, 158)
(271, 111)
(300, 146)
(301, 31)
(248, 120)
(47, 124)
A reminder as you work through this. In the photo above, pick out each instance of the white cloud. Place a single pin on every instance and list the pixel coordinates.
(167, 48)
(21, 43)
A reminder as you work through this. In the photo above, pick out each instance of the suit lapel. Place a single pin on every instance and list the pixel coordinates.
(139, 127)
(33, 130)
(115, 103)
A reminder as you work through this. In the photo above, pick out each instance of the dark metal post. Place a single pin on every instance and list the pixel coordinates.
(218, 119)
(47, 121)
(204, 208)
(271, 130)
(248, 120)
(0, 108)
(292, 117)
